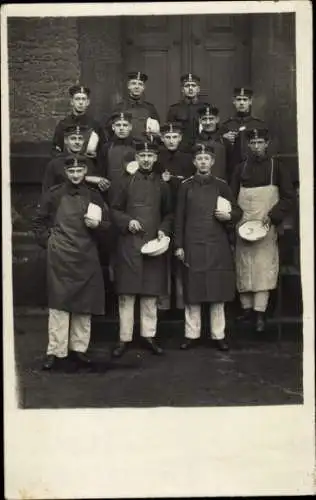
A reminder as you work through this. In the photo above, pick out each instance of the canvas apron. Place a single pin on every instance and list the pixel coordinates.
(257, 263)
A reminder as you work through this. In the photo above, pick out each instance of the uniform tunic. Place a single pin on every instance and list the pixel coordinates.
(140, 111)
(81, 120)
(117, 154)
(208, 271)
(146, 198)
(186, 113)
(75, 281)
(215, 141)
(263, 188)
(236, 152)
(55, 172)
(179, 164)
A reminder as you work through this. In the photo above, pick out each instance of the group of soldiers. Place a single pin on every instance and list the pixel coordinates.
(151, 180)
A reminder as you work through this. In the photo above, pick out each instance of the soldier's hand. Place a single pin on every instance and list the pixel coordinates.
(266, 221)
(91, 223)
(230, 136)
(222, 216)
(179, 253)
(161, 235)
(134, 226)
(166, 176)
(104, 184)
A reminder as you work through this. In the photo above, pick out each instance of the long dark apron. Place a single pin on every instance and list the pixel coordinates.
(75, 281)
(136, 273)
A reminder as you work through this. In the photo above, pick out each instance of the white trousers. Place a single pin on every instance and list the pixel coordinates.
(67, 331)
(148, 316)
(258, 301)
(193, 321)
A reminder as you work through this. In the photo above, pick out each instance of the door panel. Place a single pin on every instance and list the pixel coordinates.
(152, 45)
(221, 56)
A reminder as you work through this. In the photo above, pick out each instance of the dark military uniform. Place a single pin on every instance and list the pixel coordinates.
(186, 113)
(140, 110)
(215, 141)
(55, 171)
(236, 152)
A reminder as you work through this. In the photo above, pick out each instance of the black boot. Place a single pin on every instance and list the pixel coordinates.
(260, 322)
(222, 345)
(120, 349)
(151, 344)
(246, 316)
(82, 358)
(49, 362)
(188, 344)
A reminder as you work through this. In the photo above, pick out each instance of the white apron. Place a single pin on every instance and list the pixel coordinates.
(257, 263)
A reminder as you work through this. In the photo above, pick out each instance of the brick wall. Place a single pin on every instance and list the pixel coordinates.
(43, 63)
(273, 76)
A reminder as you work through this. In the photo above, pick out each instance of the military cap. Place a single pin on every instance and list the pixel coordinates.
(79, 89)
(75, 161)
(242, 91)
(190, 77)
(137, 75)
(121, 115)
(257, 133)
(76, 129)
(208, 110)
(171, 127)
(200, 148)
(144, 145)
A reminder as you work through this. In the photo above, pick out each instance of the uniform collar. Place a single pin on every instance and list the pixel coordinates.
(203, 179)
(145, 173)
(74, 188)
(195, 100)
(122, 142)
(135, 100)
(209, 135)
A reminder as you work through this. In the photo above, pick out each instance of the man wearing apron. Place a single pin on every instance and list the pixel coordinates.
(265, 192)
(202, 245)
(174, 166)
(74, 277)
(234, 129)
(75, 138)
(135, 104)
(79, 103)
(185, 112)
(141, 210)
(209, 134)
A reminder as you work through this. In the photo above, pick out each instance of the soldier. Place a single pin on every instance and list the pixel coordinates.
(174, 166)
(64, 225)
(185, 112)
(79, 103)
(140, 109)
(202, 244)
(233, 130)
(264, 192)
(142, 211)
(209, 135)
(75, 138)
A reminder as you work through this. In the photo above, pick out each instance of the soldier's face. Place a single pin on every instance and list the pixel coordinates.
(203, 163)
(258, 146)
(171, 140)
(135, 88)
(122, 128)
(74, 143)
(80, 102)
(76, 174)
(242, 103)
(191, 89)
(146, 159)
(209, 123)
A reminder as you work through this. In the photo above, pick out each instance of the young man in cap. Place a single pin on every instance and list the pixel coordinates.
(185, 112)
(202, 245)
(209, 135)
(264, 192)
(174, 166)
(75, 138)
(75, 282)
(140, 109)
(233, 130)
(142, 211)
(79, 103)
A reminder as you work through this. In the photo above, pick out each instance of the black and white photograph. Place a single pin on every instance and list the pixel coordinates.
(154, 217)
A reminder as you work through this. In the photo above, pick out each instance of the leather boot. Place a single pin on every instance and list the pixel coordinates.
(260, 322)
(246, 316)
(151, 344)
(188, 344)
(120, 349)
(49, 362)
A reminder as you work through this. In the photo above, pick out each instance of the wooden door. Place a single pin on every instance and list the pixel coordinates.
(152, 44)
(220, 55)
